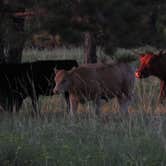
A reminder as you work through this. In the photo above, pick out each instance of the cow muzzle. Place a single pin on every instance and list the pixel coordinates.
(137, 74)
(55, 91)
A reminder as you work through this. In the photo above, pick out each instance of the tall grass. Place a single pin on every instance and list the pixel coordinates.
(113, 139)
(54, 139)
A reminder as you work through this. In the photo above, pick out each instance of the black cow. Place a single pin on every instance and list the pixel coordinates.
(18, 81)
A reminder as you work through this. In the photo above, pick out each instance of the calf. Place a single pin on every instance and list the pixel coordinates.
(17, 81)
(154, 64)
(96, 81)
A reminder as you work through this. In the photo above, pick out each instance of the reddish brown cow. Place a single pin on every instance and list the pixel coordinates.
(96, 82)
(154, 64)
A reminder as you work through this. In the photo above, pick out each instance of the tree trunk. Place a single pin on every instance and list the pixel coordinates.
(89, 48)
(16, 42)
(15, 55)
(12, 35)
(13, 46)
(2, 56)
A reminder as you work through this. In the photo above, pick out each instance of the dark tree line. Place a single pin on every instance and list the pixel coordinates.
(108, 24)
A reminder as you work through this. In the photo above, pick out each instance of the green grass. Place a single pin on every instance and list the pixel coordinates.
(136, 139)
(113, 139)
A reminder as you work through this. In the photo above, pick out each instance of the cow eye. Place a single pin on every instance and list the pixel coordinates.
(64, 81)
(152, 61)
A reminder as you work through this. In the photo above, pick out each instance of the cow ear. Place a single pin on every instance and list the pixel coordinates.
(55, 70)
(141, 55)
(73, 68)
(160, 53)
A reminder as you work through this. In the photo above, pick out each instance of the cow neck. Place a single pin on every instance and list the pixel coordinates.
(161, 71)
(74, 88)
(161, 76)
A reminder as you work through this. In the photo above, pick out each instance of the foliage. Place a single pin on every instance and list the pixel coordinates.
(115, 23)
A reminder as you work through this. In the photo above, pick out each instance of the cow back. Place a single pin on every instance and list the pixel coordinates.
(110, 80)
(29, 79)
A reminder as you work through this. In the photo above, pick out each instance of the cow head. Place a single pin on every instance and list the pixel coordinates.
(62, 81)
(148, 65)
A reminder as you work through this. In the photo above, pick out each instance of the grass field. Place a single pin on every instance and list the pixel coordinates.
(114, 139)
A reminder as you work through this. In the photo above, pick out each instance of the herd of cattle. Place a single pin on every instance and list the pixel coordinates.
(96, 82)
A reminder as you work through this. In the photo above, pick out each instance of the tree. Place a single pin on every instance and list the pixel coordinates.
(109, 24)
(12, 34)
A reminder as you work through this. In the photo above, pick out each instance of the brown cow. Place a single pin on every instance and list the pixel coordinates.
(154, 64)
(96, 82)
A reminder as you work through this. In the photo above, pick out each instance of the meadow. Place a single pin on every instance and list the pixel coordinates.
(113, 139)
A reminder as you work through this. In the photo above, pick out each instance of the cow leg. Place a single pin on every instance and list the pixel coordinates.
(8, 104)
(17, 103)
(73, 104)
(66, 95)
(3, 102)
(124, 102)
(2, 108)
(13, 104)
(35, 106)
(99, 103)
(162, 91)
